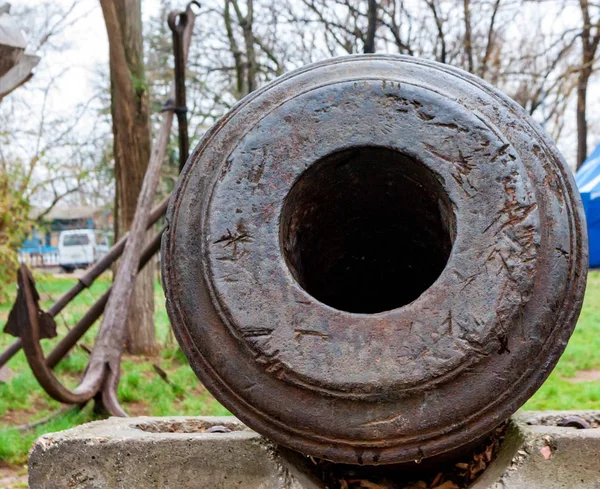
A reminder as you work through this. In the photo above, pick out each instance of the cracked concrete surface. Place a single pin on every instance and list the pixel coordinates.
(182, 453)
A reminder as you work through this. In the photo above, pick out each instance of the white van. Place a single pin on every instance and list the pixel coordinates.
(79, 248)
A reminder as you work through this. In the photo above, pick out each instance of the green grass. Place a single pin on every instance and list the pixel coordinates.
(14, 444)
(143, 391)
(582, 353)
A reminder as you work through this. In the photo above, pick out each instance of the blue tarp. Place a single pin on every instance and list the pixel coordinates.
(588, 182)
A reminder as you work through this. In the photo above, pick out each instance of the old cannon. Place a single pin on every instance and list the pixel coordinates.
(374, 259)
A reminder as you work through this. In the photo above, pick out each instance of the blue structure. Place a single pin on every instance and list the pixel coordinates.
(588, 182)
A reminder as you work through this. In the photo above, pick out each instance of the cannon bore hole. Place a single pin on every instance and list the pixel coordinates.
(367, 230)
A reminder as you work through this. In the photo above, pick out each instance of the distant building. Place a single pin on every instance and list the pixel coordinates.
(41, 246)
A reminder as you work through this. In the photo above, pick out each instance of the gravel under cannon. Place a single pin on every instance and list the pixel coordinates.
(374, 259)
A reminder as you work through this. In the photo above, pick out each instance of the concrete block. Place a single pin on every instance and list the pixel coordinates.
(538, 454)
(166, 453)
(195, 453)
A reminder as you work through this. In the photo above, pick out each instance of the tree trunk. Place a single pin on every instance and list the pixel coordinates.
(247, 24)
(132, 147)
(371, 27)
(235, 51)
(590, 39)
(440, 29)
(582, 84)
(468, 36)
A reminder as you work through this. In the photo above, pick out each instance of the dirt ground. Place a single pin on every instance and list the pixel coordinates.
(12, 476)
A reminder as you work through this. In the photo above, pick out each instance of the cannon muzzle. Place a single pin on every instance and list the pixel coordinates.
(374, 259)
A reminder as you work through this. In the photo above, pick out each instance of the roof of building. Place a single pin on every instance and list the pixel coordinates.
(67, 213)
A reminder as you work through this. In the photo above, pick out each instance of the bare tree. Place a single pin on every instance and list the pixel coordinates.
(441, 33)
(369, 46)
(523, 48)
(395, 17)
(468, 35)
(490, 40)
(246, 21)
(590, 38)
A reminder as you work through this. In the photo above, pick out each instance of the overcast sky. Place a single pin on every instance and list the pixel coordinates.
(87, 51)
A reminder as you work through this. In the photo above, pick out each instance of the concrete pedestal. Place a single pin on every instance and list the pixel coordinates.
(537, 454)
(221, 453)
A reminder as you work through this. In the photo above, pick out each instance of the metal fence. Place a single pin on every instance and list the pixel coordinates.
(39, 258)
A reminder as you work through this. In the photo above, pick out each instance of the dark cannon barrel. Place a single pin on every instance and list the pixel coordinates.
(374, 259)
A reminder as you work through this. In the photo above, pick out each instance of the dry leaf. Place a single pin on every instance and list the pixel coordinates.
(418, 485)
(437, 480)
(368, 484)
(6, 374)
(448, 485)
(343, 484)
(489, 452)
(475, 469)
(546, 452)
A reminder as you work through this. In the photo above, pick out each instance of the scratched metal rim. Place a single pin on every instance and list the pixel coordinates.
(399, 415)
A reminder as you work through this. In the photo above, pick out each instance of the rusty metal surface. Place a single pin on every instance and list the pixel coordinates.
(16, 324)
(30, 337)
(374, 259)
(574, 422)
(177, 22)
